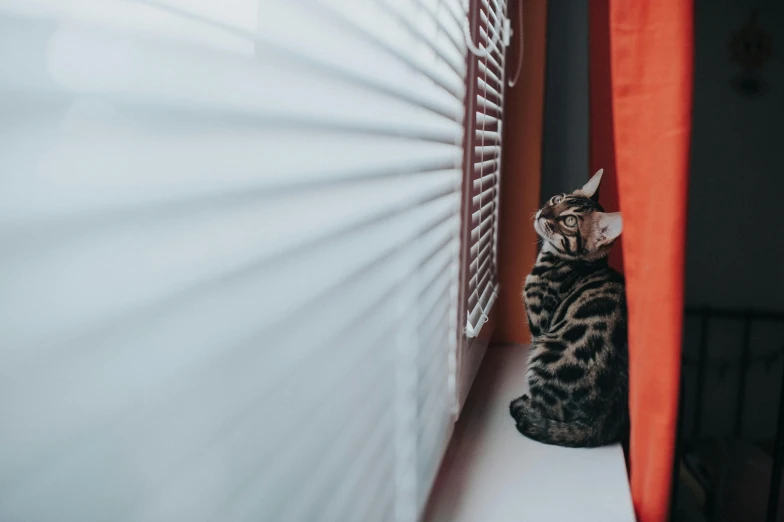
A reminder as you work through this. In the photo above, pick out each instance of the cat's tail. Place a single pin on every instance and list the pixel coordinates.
(533, 425)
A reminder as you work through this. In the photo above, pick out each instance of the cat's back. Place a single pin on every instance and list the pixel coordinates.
(596, 296)
(591, 325)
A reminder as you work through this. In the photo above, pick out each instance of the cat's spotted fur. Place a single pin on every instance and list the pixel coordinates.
(576, 307)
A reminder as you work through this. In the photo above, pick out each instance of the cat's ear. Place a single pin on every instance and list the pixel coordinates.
(608, 227)
(589, 189)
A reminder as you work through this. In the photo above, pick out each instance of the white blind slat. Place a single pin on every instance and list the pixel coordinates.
(487, 122)
(232, 234)
(483, 215)
(482, 251)
(488, 137)
(480, 246)
(422, 28)
(356, 15)
(446, 24)
(485, 174)
(488, 176)
(489, 75)
(484, 198)
(484, 227)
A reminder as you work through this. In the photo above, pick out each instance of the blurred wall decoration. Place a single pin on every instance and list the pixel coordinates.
(750, 48)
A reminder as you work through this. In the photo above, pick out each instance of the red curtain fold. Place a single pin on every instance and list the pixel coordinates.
(644, 57)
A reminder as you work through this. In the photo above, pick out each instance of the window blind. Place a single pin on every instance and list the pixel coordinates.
(486, 114)
(230, 236)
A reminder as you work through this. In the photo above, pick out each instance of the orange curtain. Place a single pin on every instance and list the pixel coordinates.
(649, 72)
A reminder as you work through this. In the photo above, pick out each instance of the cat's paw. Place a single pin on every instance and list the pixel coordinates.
(517, 405)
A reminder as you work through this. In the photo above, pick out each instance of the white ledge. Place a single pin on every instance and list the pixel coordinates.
(491, 473)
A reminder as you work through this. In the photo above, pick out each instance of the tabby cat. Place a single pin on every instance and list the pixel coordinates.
(576, 306)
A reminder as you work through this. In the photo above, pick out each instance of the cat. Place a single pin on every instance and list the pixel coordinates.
(576, 307)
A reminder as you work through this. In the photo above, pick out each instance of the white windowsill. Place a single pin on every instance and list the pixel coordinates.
(492, 473)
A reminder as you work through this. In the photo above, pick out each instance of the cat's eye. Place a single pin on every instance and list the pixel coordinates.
(570, 221)
(555, 200)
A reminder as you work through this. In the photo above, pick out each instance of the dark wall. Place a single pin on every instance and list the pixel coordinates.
(735, 241)
(735, 254)
(566, 124)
